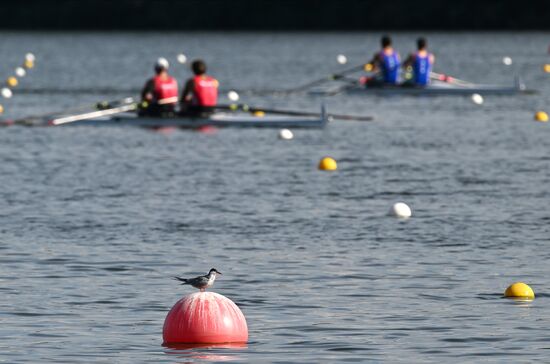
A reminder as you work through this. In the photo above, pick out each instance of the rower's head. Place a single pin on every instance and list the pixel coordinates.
(421, 43)
(385, 41)
(199, 67)
(161, 65)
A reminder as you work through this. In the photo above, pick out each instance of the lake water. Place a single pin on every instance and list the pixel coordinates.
(96, 221)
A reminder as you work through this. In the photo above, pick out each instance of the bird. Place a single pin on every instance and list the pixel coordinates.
(201, 282)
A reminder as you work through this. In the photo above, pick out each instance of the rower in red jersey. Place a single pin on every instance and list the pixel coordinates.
(200, 95)
(160, 94)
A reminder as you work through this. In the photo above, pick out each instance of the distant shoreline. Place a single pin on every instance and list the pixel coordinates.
(274, 15)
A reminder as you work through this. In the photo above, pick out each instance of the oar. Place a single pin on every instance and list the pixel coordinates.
(94, 114)
(332, 77)
(251, 109)
(102, 105)
(450, 79)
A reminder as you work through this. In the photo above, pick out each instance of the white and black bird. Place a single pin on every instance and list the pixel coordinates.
(201, 282)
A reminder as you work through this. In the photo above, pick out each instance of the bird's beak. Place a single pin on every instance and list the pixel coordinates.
(220, 273)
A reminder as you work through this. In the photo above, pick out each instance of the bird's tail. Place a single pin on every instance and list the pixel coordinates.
(181, 280)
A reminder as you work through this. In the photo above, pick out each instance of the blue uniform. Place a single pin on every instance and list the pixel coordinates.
(422, 67)
(390, 67)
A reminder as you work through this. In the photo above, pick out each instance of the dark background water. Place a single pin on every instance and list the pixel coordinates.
(96, 221)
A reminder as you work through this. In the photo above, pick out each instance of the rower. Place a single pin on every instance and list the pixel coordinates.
(421, 62)
(160, 94)
(200, 94)
(387, 62)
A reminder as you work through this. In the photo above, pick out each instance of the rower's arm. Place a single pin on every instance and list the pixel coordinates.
(375, 61)
(147, 94)
(409, 61)
(187, 94)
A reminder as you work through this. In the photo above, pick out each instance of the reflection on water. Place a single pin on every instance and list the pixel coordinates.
(520, 302)
(206, 352)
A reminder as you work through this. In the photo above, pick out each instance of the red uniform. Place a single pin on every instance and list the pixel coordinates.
(165, 90)
(205, 91)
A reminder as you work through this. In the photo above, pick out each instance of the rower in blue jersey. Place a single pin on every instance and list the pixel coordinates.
(421, 63)
(387, 62)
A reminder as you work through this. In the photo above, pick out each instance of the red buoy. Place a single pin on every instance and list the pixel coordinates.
(205, 317)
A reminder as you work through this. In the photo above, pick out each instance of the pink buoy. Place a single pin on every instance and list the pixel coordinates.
(205, 317)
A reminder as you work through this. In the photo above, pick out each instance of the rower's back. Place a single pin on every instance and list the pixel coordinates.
(388, 64)
(200, 95)
(160, 94)
(422, 62)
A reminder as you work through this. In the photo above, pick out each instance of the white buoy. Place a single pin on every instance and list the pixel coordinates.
(30, 57)
(20, 72)
(182, 58)
(507, 61)
(285, 134)
(6, 93)
(342, 59)
(477, 99)
(233, 95)
(401, 210)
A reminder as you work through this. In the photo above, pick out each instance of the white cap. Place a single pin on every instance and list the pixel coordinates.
(162, 63)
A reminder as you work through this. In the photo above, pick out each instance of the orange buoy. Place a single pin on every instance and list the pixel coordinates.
(205, 317)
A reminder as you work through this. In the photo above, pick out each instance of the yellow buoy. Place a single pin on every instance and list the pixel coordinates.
(259, 113)
(541, 116)
(12, 81)
(520, 290)
(28, 64)
(328, 164)
(368, 67)
(546, 68)
(1, 109)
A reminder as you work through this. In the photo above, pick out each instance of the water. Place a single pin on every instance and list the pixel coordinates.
(95, 221)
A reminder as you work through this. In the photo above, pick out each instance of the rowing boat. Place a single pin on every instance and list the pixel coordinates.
(217, 120)
(125, 115)
(435, 88)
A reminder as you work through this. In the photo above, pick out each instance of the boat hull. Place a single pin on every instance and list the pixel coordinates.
(217, 120)
(437, 91)
(436, 88)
